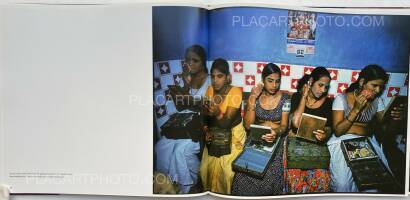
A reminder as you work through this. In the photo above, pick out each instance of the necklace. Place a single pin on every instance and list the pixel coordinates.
(308, 101)
(269, 101)
(191, 90)
(219, 97)
(309, 104)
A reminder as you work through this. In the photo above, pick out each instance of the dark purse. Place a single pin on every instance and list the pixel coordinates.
(304, 154)
(183, 126)
(221, 142)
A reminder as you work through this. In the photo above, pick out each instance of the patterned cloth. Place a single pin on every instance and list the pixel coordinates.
(305, 181)
(271, 184)
(365, 116)
(273, 114)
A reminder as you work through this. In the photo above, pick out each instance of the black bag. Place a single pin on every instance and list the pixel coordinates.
(221, 142)
(183, 126)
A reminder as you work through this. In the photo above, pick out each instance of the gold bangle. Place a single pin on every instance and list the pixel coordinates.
(347, 118)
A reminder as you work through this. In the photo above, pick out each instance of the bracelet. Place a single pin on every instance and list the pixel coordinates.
(220, 116)
(347, 118)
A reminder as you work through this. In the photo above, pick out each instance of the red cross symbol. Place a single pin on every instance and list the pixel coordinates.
(164, 68)
(333, 73)
(177, 79)
(160, 111)
(294, 83)
(157, 84)
(250, 80)
(341, 87)
(238, 67)
(285, 70)
(355, 76)
(259, 67)
(393, 92)
(308, 70)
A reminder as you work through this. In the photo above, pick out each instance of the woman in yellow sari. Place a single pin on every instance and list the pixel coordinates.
(223, 112)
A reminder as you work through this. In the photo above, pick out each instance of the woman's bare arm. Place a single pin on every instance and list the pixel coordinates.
(250, 112)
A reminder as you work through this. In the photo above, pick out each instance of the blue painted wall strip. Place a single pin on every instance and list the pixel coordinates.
(259, 34)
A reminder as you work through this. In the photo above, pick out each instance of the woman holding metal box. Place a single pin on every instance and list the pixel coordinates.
(353, 112)
(267, 106)
(178, 158)
(309, 174)
(225, 134)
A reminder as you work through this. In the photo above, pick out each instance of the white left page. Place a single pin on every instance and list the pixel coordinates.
(75, 99)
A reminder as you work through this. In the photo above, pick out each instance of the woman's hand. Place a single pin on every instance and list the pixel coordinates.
(256, 90)
(305, 90)
(270, 137)
(186, 73)
(208, 137)
(213, 109)
(398, 112)
(320, 135)
(359, 102)
(187, 79)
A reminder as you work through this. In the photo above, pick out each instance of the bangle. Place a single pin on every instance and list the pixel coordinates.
(220, 116)
(347, 118)
(350, 113)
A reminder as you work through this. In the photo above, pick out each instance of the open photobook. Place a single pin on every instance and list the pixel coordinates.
(88, 93)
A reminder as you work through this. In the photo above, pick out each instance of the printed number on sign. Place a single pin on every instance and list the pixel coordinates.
(300, 52)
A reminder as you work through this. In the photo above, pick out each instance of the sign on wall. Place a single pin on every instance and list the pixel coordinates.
(301, 32)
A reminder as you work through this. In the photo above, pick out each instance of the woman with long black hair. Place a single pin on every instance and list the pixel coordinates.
(352, 113)
(310, 98)
(178, 158)
(222, 114)
(267, 106)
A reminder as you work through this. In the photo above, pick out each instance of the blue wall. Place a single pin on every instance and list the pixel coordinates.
(176, 28)
(258, 34)
(353, 47)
